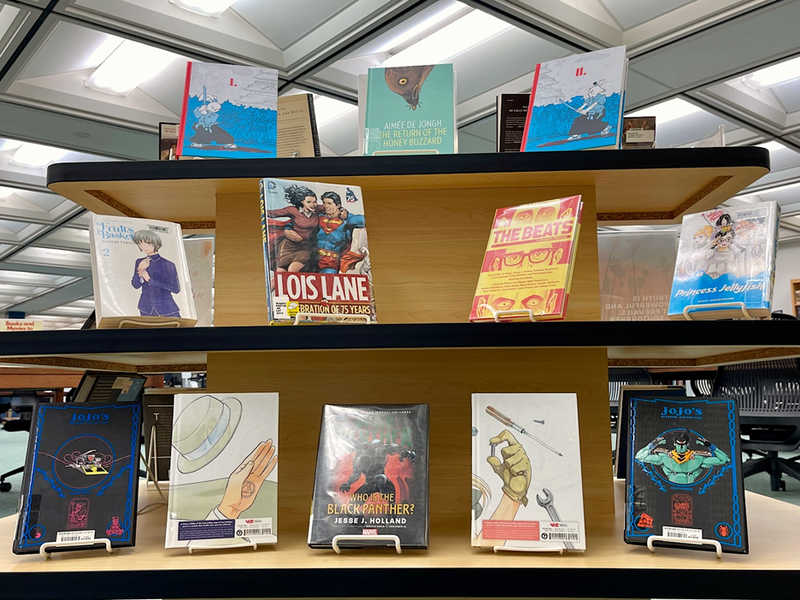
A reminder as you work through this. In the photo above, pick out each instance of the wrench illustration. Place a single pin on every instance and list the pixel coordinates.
(547, 504)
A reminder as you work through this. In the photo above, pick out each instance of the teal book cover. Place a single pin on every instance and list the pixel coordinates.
(410, 110)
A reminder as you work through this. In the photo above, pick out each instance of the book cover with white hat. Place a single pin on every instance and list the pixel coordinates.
(223, 474)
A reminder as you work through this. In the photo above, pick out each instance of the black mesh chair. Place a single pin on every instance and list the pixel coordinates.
(617, 377)
(768, 394)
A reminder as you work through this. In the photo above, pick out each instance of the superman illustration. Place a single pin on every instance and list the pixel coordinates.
(335, 235)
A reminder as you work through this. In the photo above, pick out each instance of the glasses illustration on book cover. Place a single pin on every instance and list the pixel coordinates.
(526, 474)
(223, 483)
(684, 472)
(372, 476)
(80, 476)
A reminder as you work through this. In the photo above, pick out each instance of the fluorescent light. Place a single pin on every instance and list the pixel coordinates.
(34, 155)
(772, 146)
(774, 75)
(5, 192)
(327, 109)
(667, 111)
(449, 41)
(129, 66)
(11, 145)
(422, 27)
(208, 8)
(103, 51)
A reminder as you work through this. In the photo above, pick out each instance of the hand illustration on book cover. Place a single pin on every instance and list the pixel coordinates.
(207, 489)
(156, 276)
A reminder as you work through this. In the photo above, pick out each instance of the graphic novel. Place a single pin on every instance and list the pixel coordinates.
(229, 111)
(410, 110)
(223, 480)
(527, 490)
(139, 273)
(638, 133)
(81, 475)
(636, 274)
(512, 112)
(297, 126)
(577, 102)
(726, 262)
(316, 253)
(528, 264)
(372, 476)
(685, 473)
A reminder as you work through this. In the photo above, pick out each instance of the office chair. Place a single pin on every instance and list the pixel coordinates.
(768, 395)
(617, 377)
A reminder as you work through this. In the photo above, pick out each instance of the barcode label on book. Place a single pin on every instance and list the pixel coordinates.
(564, 531)
(253, 527)
(83, 535)
(682, 533)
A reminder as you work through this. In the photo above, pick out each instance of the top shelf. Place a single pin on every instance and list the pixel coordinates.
(652, 186)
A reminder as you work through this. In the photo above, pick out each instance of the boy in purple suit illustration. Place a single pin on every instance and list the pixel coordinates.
(156, 276)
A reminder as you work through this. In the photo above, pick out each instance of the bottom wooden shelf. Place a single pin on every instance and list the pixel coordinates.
(609, 567)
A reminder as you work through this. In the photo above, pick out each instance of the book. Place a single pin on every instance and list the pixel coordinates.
(297, 126)
(512, 112)
(410, 110)
(726, 263)
(685, 473)
(168, 141)
(158, 414)
(223, 480)
(372, 476)
(626, 392)
(200, 258)
(577, 102)
(638, 133)
(107, 386)
(527, 266)
(636, 271)
(316, 253)
(139, 273)
(81, 476)
(229, 111)
(527, 490)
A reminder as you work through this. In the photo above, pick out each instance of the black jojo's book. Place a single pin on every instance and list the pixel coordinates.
(371, 477)
(81, 476)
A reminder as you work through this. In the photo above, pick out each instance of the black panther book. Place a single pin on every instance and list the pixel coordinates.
(685, 473)
(81, 476)
(372, 477)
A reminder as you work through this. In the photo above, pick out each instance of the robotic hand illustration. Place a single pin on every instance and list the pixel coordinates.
(514, 470)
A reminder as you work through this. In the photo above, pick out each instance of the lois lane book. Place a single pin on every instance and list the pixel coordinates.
(372, 477)
(81, 476)
(684, 473)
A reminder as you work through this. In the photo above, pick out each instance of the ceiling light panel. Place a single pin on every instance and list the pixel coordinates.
(34, 279)
(775, 75)
(128, 66)
(207, 8)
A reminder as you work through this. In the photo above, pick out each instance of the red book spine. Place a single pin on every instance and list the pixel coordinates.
(182, 124)
(530, 105)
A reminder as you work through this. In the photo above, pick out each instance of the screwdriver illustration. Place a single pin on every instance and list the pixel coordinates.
(493, 412)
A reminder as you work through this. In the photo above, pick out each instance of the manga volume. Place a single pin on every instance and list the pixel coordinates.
(316, 253)
(684, 472)
(229, 111)
(726, 262)
(527, 490)
(81, 476)
(577, 102)
(139, 273)
(223, 480)
(372, 476)
(512, 111)
(528, 265)
(410, 110)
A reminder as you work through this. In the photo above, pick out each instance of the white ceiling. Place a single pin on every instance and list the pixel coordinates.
(693, 53)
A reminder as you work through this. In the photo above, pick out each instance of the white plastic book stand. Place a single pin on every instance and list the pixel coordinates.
(305, 317)
(44, 549)
(693, 307)
(498, 549)
(135, 323)
(361, 538)
(672, 540)
(498, 314)
(201, 546)
(151, 478)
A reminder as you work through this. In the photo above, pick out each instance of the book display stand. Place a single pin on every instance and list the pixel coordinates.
(307, 317)
(366, 539)
(699, 542)
(192, 547)
(498, 549)
(428, 217)
(499, 314)
(48, 548)
(687, 312)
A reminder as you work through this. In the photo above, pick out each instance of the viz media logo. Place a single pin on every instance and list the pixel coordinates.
(681, 412)
(85, 418)
(113, 232)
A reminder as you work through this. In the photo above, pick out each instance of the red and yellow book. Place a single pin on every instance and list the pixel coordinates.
(527, 267)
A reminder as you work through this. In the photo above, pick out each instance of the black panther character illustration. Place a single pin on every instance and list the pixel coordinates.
(370, 461)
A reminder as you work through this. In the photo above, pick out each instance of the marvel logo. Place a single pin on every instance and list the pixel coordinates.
(369, 532)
